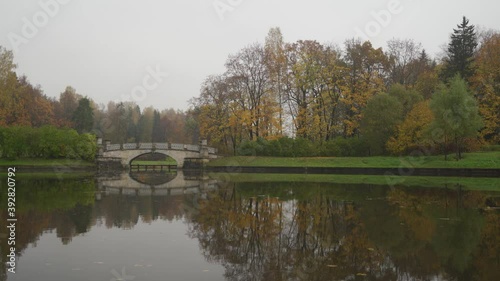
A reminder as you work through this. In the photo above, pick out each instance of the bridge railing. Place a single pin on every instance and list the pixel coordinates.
(164, 146)
(192, 147)
(111, 147)
(177, 146)
(146, 145)
(128, 146)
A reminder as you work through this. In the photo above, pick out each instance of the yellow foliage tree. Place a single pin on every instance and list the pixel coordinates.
(410, 133)
(486, 82)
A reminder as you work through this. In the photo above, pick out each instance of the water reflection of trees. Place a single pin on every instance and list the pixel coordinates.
(408, 234)
(278, 232)
(68, 208)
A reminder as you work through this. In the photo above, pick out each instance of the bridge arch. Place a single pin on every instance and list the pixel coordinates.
(155, 152)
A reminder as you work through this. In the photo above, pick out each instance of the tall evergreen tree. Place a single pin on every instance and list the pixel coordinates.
(158, 134)
(83, 117)
(461, 51)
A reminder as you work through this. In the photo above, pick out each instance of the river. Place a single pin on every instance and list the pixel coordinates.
(190, 226)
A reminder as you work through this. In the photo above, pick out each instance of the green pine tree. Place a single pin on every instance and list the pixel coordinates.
(461, 51)
(83, 117)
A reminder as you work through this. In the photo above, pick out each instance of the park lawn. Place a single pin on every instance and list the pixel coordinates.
(489, 159)
(483, 184)
(45, 162)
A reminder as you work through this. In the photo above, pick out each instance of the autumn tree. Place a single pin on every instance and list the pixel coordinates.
(407, 60)
(214, 116)
(8, 80)
(249, 70)
(275, 62)
(365, 77)
(13, 101)
(486, 83)
(314, 84)
(410, 134)
(427, 83)
(158, 135)
(145, 125)
(65, 108)
(380, 117)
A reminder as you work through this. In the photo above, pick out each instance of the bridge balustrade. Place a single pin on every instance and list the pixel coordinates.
(192, 147)
(111, 147)
(129, 146)
(177, 146)
(145, 146)
(161, 145)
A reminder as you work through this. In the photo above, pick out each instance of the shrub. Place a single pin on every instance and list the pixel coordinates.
(46, 142)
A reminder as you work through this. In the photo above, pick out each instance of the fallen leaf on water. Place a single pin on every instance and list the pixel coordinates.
(361, 274)
(371, 249)
(332, 265)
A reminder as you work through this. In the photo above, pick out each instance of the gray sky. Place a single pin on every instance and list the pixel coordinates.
(104, 48)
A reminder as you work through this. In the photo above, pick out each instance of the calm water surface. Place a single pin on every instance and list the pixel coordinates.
(166, 227)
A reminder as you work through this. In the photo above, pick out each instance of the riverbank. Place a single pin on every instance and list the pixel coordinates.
(46, 165)
(484, 184)
(476, 160)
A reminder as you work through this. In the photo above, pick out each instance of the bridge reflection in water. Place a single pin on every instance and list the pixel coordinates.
(150, 183)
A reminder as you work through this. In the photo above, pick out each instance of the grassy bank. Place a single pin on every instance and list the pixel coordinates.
(485, 184)
(168, 161)
(471, 160)
(45, 162)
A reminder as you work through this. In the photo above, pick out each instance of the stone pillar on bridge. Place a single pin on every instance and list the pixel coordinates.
(106, 144)
(100, 149)
(204, 150)
(204, 154)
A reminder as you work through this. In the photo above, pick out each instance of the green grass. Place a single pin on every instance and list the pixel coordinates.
(484, 184)
(470, 160)
(53, 175)
(46, 162)
(164, 162)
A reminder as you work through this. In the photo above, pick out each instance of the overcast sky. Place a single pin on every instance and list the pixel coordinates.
(104, 48)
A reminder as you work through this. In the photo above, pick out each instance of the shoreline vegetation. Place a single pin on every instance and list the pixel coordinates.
(479, 160)
(483, 184)
(483, 160)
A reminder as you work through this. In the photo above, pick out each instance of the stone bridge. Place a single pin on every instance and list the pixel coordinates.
(125, 153)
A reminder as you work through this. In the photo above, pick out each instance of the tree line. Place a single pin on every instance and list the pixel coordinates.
(384, 101)
(37, 126)
(302, 98)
